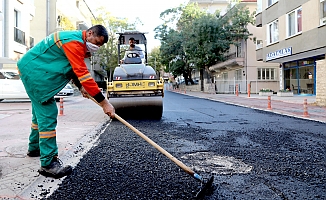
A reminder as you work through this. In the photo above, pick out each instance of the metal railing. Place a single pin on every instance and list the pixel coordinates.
(229, 86)
(19, 36)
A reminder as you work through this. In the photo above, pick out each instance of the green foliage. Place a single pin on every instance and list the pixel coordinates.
(66, 24)
(155, 60)
(199, 39)
(265, 90)
(107, 55)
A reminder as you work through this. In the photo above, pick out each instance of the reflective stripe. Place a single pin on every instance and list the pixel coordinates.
(34, 126)
(85, 78)
(57, 40)
(48, 134)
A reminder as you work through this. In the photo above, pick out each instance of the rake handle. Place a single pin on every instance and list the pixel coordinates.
(160, 149)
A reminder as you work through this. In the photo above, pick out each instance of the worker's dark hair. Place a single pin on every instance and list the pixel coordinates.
(100, 30)
(132, 38)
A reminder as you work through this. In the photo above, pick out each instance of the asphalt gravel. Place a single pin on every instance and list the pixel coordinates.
(252, 155)
(124, 166)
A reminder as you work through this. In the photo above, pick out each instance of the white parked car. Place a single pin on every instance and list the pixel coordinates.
(67, 91)
(11, 87)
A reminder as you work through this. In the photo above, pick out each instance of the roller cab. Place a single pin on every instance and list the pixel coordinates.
(135, 89)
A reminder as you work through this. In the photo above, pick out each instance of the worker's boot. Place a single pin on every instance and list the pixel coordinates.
(55, 169)
(35, 153)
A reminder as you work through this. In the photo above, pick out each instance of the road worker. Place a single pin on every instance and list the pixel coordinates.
(45, 70)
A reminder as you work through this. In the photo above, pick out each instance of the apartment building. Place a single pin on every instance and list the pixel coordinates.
(294, 37)
(212, 5)
(23, 23)
(57, 15)
(15, 36)
(241, 68)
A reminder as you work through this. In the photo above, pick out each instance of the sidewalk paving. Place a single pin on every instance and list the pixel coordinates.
(79, 128)
(77, 131)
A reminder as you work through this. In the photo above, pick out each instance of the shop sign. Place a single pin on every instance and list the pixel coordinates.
(279, 53)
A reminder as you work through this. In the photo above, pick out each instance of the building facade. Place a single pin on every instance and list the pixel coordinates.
(15, 37)
(294, 37)
(23, 23)
(241, 69)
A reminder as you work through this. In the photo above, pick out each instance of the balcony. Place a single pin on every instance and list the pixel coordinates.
(231, 60)
(259, 20)
(19, 36)
(259, 55)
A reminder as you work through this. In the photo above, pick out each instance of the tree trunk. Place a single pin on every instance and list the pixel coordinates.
(201, 79)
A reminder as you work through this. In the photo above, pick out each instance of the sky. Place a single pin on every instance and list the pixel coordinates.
(148, 11)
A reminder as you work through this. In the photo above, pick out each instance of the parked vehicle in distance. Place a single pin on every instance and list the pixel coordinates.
(11, 87)
(68, 90)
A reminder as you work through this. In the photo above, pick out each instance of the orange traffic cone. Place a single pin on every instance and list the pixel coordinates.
(61, 106)
(269, 104)
(305, 108)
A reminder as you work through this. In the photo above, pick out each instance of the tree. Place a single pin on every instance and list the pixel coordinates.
(107, 55)
(172, 40)
(66, 24)
(155, 60)
(200, 39)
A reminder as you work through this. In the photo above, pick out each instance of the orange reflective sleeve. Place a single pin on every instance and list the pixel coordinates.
(75, 52)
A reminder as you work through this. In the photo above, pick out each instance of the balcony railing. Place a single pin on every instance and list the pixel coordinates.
(19, 36)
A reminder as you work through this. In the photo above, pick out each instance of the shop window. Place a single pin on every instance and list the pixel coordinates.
(290, 64)
(322, 12)
(294, 22)
(306, 62)
(272, 32)
(271, 2)
(266, 74)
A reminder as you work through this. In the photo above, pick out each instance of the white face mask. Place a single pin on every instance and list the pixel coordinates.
(91, 47)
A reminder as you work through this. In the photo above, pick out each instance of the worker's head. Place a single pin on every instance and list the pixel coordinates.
(96, 36)
(132, 42)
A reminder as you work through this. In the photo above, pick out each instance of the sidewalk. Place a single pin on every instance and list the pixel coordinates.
(79, 128)
(77, 131)
(290, 106)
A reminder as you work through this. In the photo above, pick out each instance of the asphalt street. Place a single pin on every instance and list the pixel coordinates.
(252, 154)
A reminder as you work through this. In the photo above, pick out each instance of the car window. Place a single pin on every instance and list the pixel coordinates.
(68, 86)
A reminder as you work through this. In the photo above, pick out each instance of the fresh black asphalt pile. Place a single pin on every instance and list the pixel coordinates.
(124, 166)
(287, 156)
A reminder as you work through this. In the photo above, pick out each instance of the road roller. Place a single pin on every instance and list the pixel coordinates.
(135, 90)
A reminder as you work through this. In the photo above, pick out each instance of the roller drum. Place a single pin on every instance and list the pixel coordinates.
(138, 107)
